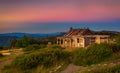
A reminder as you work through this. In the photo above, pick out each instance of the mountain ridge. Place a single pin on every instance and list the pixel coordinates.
(5, 38)
(34, 35)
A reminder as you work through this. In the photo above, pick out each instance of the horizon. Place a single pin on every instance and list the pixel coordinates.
(44, 28)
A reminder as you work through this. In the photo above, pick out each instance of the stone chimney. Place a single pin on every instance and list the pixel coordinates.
(71, 28)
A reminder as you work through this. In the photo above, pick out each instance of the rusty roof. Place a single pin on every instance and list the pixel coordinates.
(80, 31)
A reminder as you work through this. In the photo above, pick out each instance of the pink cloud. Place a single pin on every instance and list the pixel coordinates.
(68, 12)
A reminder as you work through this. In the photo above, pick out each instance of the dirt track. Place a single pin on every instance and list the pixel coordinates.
(80, 69)
(72, 69)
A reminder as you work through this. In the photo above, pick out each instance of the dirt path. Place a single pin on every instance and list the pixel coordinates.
(80, 69)
(8, 59)
(72, 69)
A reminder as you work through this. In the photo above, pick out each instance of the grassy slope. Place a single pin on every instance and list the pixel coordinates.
(39, 69)
(112, 63)
(8, 58)
(115, 60)
(108, 67)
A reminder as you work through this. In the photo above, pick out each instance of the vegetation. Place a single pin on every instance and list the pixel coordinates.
(93, 54)
(26, 41)
(55, 47)
(1, 55)
(4, 47)
(114, 69)
(12, 43)
(33, 47)
(5, 40)
(46, 58)
(118, 39)
(1, 47)
(43, 57)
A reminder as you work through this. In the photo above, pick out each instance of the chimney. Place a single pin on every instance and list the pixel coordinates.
(88, 28)
(71, 28)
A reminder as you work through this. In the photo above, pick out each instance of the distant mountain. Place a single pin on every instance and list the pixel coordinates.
(13, 34)
(7, 37)
(107, 32)
(19, 35)
(112, 32)
(5, 40)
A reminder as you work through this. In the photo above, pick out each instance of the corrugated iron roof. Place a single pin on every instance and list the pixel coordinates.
(80, 31)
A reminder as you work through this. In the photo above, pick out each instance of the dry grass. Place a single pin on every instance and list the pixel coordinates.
(8, 58)
(71, 49)
(4, 51)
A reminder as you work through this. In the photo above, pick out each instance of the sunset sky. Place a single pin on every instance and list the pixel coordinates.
(47, 16)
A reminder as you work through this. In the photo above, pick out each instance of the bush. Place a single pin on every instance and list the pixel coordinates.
(1, 47)
(93, 54)
(34, 47)
(1, 55)
(9, 69)
(115, 47)
(117, 39)
(24, 42)
(6, 47)
(55, 47)
(25, 61)
(44, 57)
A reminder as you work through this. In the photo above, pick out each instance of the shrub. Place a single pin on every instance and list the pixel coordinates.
(115, 47)
(55, 47)
(25, 61)
(6, 47)
(1, 55)
(9, 69)
(117, 39)
(34, 47)
(1, 47)
(44, 57)
(93, 54)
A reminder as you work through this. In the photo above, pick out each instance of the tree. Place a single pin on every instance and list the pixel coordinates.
(23, 42)
(12, 43)
(26, 41)
(118, 39)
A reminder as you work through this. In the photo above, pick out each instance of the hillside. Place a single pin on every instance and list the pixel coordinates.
(5, 40)
(41, 58)
(7, 37)
(34, 35)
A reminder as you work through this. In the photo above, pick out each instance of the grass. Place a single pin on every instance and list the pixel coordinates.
(8, 58)
(104, 69)
(95, 54)
(53, 69)
(8, 69)
(50, 58)
(14, 53)
(41, 61)
(39, 69)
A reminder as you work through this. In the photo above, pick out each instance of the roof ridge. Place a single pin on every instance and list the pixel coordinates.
(78, 31)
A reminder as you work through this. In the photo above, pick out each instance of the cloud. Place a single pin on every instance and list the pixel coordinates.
(14, 14)
(58, 10)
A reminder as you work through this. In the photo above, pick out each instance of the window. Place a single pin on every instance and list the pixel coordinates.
(58, 41)
(78, 40)
(61, 41)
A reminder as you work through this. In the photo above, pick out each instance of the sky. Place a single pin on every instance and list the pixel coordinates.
(47, 16)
